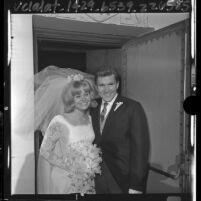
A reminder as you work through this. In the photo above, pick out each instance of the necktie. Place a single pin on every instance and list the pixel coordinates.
(102, 116)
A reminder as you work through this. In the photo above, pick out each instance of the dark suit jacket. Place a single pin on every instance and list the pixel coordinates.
(124, 142)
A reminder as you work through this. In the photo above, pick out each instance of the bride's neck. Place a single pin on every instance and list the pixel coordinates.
(77, 115)
(80, 113)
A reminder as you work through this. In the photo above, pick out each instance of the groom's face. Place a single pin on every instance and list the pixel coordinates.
(107, 87)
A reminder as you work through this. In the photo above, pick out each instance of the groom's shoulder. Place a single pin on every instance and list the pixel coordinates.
(131, 104)
(130, 101)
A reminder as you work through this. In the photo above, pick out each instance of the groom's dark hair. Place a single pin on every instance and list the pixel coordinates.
(107, 71)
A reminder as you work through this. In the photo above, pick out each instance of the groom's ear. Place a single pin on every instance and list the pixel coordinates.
(117, 84)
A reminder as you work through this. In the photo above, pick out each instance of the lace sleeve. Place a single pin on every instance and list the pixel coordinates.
(52, 135)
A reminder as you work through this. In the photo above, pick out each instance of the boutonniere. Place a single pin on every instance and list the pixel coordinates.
(118, 104)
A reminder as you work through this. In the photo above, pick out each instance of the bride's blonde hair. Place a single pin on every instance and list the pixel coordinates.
(71, 90)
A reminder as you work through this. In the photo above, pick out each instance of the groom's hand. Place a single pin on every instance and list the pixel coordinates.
(132, 191)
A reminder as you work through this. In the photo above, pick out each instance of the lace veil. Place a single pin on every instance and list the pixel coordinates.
(48, 87)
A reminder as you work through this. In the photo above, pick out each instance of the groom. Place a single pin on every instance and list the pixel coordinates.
(121, 131)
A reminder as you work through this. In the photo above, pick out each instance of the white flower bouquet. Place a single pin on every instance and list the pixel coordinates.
(83, 162)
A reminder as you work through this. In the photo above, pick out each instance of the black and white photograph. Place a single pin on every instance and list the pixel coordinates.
(96, 103)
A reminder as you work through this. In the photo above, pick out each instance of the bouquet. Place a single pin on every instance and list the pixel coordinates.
(83, 163)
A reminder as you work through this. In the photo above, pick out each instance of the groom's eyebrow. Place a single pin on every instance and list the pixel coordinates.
(109, 83)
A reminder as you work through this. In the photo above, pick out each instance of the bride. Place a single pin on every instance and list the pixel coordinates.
(68, 159)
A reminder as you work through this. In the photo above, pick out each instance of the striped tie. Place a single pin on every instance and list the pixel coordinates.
(102, 116)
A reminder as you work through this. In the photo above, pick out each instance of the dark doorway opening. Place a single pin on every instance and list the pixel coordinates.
(53, 53)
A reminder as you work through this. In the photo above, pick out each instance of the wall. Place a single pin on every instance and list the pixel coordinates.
(97, 58)
(154, 78)
(22, 148)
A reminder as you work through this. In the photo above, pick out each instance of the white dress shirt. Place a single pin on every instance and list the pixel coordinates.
(109, 106)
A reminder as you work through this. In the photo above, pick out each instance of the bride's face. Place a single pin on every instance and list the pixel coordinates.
(82, 100)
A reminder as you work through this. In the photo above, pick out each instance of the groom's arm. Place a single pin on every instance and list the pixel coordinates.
(139, 148)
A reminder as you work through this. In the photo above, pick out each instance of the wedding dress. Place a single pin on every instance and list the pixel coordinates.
(53, 175)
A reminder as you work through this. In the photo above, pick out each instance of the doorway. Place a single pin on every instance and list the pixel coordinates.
(58, 54)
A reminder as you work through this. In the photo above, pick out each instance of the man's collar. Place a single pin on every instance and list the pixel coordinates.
(112, 101)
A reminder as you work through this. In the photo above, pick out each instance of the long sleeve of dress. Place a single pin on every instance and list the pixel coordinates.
(52, 136)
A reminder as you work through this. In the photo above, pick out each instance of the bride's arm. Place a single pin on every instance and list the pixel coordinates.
(52, 135)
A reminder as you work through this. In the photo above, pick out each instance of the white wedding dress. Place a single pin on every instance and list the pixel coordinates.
(53, 177)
